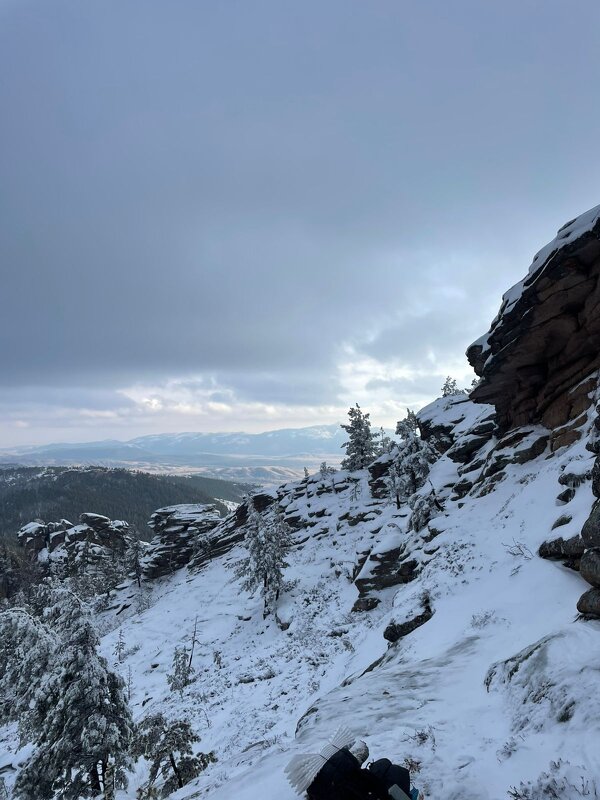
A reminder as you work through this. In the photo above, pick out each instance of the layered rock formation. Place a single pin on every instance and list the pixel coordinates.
(181, 532)
(539, 366)
(539, 359)
(589, 565)
(40, 537)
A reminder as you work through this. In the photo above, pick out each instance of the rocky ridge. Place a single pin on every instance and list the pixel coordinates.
(538, 362)
(181, 532)
(43, 540)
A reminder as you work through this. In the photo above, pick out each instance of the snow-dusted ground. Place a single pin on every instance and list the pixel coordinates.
(442, 696)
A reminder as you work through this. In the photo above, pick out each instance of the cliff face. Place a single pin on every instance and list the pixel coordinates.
(539, 359)
(539, 363)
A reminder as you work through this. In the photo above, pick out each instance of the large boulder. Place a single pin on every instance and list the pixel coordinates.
(589, 566)
(397, 630)
(589, 603)
(33, 537)
(538, 359)
(590, 533)
(563, 549)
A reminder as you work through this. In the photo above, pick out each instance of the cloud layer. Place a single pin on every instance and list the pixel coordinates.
(293, 205)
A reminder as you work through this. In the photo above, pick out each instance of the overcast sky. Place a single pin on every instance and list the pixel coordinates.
(247, 215)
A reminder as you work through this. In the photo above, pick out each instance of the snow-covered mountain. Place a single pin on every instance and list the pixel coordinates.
(264, 457)
(454, 625)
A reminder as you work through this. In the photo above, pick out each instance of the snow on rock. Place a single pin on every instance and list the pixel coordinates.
(180, 532)
(544, 345)
(57, 539)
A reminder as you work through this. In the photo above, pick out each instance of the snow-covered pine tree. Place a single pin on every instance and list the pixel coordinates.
(278, 540)
(450, 387)
(26, 649)
(9, 572)
(384, 442)
(168, 748)
(413, 458)
(424, 507)
(251, 567)
(361, 447)
(79, 717)
(407, 427)
(326, 472)
(133, 558)
(267, 542)
(182, 673)
(119, 648)
(393, 484)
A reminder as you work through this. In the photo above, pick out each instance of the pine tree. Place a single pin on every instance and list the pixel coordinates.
(327, 474)
(168, 748)
(278, 540)
(80, 720)
(393, 484)
(26, 652)
(384, 443)
(129, 684)
(360, 447)
(133, 558)
(182, 671)
(407, 428)
(424, 507)
(119, 648)
(450, 387)
(412, 460)
(267, 542)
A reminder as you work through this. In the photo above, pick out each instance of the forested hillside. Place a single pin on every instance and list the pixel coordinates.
(53, 493)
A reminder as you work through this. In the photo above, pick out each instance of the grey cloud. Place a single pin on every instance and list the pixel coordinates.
(287, 387)
(422, 386)
(20, 399)
(238, 189)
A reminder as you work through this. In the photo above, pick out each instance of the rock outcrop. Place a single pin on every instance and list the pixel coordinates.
(181, 533)
(539, 367)
(539, 359)
(41, 537)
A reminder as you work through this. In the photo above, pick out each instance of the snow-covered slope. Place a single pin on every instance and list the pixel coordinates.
(500, 683)
(500, 687)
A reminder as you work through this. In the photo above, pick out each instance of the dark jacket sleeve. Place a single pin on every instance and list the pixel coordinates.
(391, 774)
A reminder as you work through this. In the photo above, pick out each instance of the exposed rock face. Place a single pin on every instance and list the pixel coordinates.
(450, 426)
(378, 472)
(397, 630)
(181, 533)
(589, 603)
(590, 567)
(538, 361)
(563, 549)
(539, 365)
(94, 529)
(386, 569)
(590, 533)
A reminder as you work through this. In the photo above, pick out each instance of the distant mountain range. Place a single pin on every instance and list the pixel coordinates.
(265, 457)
